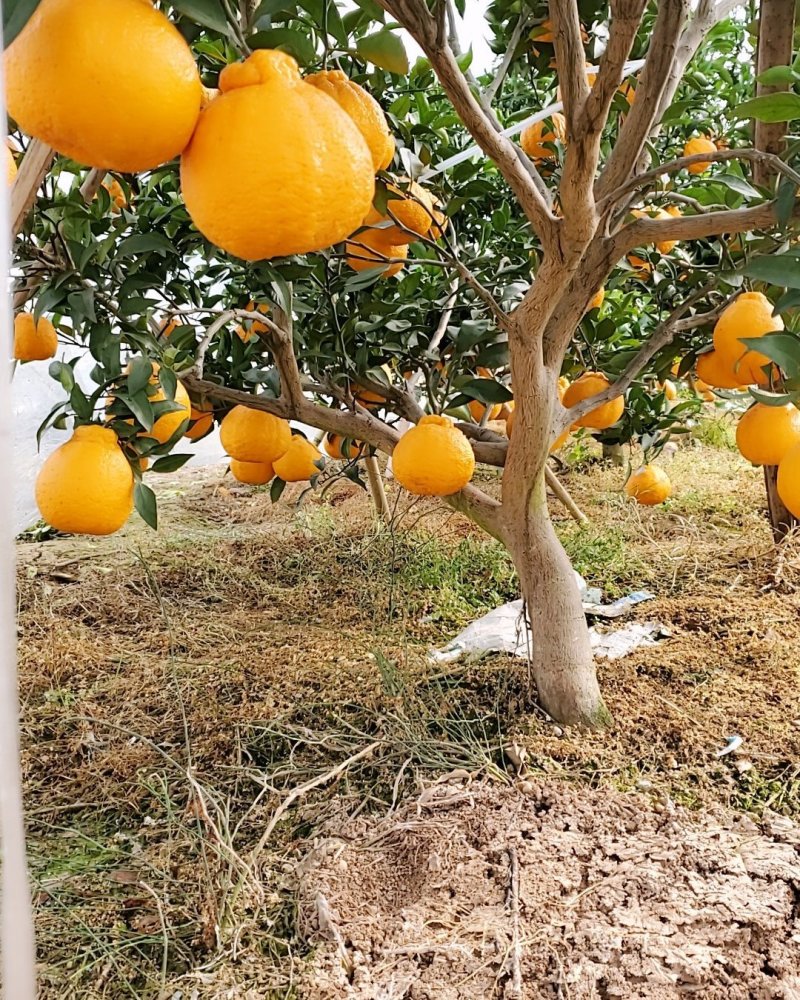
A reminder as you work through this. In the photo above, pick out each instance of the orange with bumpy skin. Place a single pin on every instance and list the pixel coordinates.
(334, 445)
(201, 421)
(110, 83)
(253, 435)
(362, 108)
(589, 384)
(534, 136)
(375, 245)
(649, 486)
(34, 341)
(252, 473)
(749, 315)
(297, 462)
(86, 486)
(413, 210)
(275, 166)
(433, 459)
(712, 370)
(789, 480)
(766, 433)
(702, 144)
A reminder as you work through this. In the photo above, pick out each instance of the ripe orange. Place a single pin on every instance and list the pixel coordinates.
(477, 409)
(363, 109)
(253, 473)
(116, 194)
(563, 385)
(649, 486)
(296, 464)
(34, 341)
(275, 166)
(598, 298)
(413, 210)
(712, 370)
(628, 91)
(702, 144)
(749, 315)
(766, 433)
(533, 137)
(664, 246)
(642, 269)
(11, 167)
(433, 459)
(789, 480)
(342, 451)
(167, 424)
(252, 327)
(589, 384)
(670, 391)
(373, 251)
(86, 486)
(201, 420)
(250, 435)
(110, 83)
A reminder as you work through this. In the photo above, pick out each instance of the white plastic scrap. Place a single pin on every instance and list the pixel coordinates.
(505, 630)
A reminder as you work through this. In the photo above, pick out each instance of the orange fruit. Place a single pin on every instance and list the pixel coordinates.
(628, 91)
(253, 473)
(110, 83)
(201, 420)
(749, 315)
(789, 480)
(544, 33)
(649, 486)
(591, 76)
(116, 194)
(563, 385)
(375, 247)
(167, 424)
(250, 435)
(598, 298)
(296, 464)
(589, 384)
(34, 341)
(251, 327)
(86, 486)
(712, 370)
(674, 211)
(413, 210)
(363, 109)
(534, 136)
(664, 246)
(275, 166)
(477, 409)
(702, 144)
(670, 391)
(642, 269)
(766, 433)
(336, 447)
(11, 167)
(433, 459)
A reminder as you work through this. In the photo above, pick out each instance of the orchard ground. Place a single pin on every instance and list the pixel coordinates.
(178, 686)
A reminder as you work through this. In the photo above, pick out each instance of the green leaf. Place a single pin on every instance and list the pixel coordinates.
(15, 16)
(145, 243)
(276, 489)
(782, 348)
(139, 374)
(781, 269)
(769, 398)
(486, 390)
(290, 40)
(63, 373)
(777, 76)
(169, 463)
(140, 407)
(791, 300)
(738, 184)
(385, 50)
(770, 108)
(784, 202)
(208, 13)
(145, 502)
(169, 381)
(81, 405)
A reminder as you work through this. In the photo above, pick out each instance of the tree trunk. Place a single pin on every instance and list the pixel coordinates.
(561, 658)
(781, 519)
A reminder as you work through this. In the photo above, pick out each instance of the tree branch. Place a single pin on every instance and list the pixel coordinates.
(490, 92)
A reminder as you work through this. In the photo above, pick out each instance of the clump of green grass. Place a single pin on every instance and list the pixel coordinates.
(718, 431)
(604, 557)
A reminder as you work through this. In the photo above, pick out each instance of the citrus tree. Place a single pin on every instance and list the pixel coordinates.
(313, 258)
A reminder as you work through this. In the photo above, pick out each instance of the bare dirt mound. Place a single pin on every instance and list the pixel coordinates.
(490, 892)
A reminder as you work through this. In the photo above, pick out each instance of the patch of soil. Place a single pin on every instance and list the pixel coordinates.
(614, 896)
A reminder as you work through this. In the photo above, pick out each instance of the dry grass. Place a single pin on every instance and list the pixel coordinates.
(176, 686)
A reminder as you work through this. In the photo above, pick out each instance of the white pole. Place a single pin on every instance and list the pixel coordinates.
(16, 918)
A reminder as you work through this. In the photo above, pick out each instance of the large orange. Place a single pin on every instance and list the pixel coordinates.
(434, 458)
(298, 462)
(254, 436)
(589, 384)
(363, 109)
(702, 144)
(535, 136)
(340, 449)
(372, 248)
(252, 473)
(110, 83)
(712, 370)
(766, 433)
(275, 166)
(201, 420)
(789, 480)
(86, 486)
(34, 341)
(168, 423)
(749, 315)
(649, 486)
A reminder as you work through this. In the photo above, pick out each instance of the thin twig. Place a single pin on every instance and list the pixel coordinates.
(489, 94)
